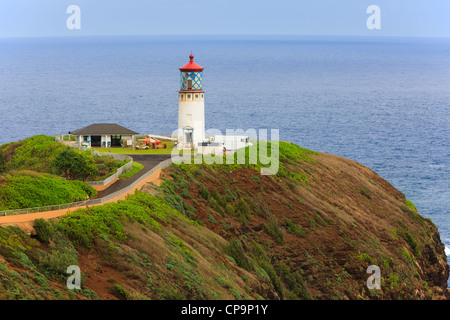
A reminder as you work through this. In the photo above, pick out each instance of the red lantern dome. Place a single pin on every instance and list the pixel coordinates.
(191, 66)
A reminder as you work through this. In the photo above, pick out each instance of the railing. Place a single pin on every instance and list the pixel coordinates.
(162, 165)
(123, 169)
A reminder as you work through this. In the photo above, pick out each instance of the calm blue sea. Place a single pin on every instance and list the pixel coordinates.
(384, 102)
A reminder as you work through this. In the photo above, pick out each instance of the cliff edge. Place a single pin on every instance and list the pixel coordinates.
(227, 232)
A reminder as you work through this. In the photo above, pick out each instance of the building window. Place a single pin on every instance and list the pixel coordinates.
(182, 97)
(189, 84)
(196, 96)
(188, 96)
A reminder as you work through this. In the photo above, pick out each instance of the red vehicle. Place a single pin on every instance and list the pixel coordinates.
(154, 143)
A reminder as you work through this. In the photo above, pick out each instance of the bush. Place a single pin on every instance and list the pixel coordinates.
(212, 219)
(294, 229)
(242, 210)
(44, 230)
(75, 165)
(407, 235)
(273, 228)
(204, 192)
(229, 209)
(235, 249)
(28, 189)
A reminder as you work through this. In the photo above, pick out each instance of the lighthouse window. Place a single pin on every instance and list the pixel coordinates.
(196, 96)
(188, 96)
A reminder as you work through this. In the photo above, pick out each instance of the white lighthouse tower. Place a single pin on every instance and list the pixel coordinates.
(191, 106)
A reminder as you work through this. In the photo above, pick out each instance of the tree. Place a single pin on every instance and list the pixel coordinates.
(75, 165)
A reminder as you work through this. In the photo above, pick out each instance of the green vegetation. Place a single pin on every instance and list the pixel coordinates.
(85, 225)
(274, 229)
(38, 267)
(2, 162)
(365, 193)
(167, 150)
(75, 165)
(30, 170)
(135, 169)
(270, 237)
(295, 229)
(43, 154)
(29, 189)
(36, 153)
(410, 205)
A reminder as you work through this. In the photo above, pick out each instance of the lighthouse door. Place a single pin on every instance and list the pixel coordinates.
(188, 137)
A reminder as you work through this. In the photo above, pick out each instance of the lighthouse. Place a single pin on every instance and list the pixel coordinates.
(191, 106)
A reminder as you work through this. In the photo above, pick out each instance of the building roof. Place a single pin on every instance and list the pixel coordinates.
(191, 66)
(103, 128)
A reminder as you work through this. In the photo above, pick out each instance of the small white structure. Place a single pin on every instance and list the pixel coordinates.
(220, 144)
(231, 142)
(104, 135)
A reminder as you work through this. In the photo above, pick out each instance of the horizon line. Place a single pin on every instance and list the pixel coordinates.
(225, 35)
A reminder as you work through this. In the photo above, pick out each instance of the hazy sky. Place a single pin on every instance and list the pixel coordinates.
(25, 18)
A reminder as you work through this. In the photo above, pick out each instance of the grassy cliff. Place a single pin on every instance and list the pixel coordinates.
(227, 232)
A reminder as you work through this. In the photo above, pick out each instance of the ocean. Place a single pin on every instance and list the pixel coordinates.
(384, 102)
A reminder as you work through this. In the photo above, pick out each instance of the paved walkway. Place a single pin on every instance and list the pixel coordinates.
(25, 221)
(149, 161)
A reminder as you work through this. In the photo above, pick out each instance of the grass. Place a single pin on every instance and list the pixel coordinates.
(131, 151)
(135, 169)
(119, 150)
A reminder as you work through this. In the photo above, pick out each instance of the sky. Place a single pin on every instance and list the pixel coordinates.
(36, 18)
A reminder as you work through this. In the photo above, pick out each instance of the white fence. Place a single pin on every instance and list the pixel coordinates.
(123, 169)
(162, 165)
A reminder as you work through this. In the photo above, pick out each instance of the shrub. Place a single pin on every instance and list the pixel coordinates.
(235, 249)
(410, 239)
(119, 291)
(242, 210)
(218, 197)
(294, 229)
(258, 253)
(204, 193)
(273, 228)
(44, 230)
(75, 165)
(212, 219)
(229, 209)
(365, 257)
(365, 193)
